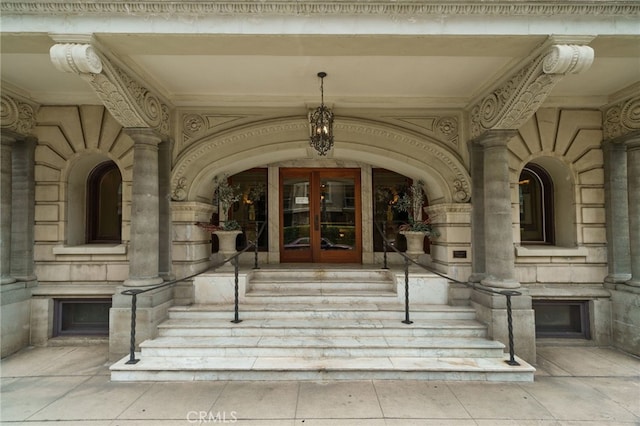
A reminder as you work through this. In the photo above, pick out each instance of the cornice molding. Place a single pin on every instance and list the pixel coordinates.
(17, 116)
(622, 118)
(131, 104)
(311, 7)
(514, 102)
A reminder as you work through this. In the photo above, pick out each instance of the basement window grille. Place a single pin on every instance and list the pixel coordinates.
(562, 319)
(81, 317)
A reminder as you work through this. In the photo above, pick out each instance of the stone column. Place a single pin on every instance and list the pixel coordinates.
(5, 208)
(617, 212)
(498, 228)
(23, 210)
(633, 188)
(144, 258)
(164, 182)
(478, 251)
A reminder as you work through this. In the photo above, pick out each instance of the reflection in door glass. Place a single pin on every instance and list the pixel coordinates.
(295, 208)
(337, 214)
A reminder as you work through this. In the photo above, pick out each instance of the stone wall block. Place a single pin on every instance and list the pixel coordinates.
(88, 272)
(590, 195)
(41, 320)
(47, 213)
(554, 274)
(593, 215)
(117, 272)
(46, 232)
(594, 235)
(46, 193)
(526, 274)
(53, 272)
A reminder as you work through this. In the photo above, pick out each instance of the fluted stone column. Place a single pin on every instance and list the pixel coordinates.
(617, 212)
(478, 252)
(23, 210)
(5, 208)
(144, 258)
(498, 228)
(633, 188)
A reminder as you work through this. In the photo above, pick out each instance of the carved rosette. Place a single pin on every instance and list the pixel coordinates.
(512, 104)
(622, 118)
(16, 116)
(131, 104)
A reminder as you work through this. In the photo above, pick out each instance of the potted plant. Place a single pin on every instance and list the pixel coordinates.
(416, 229)
(228, 231)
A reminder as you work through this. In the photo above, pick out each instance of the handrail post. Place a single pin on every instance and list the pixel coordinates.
(132, 344)
(236, 318)
(406, 292)
(255, 248)
(512, 360)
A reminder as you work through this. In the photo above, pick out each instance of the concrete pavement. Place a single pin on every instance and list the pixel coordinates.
(69, 385)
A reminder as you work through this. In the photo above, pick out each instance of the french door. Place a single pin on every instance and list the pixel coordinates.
(320, 215)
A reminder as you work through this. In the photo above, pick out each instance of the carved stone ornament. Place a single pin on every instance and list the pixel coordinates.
(512, 104)
(131, 104)
(460, 194)
(622, 118)
(179, 191)
(17, 116)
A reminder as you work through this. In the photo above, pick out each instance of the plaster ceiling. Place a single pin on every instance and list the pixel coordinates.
(280, 70)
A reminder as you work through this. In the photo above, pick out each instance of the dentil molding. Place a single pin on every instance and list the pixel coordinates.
(312, 7)
(16, 115)
(130, 103)
(513, 103)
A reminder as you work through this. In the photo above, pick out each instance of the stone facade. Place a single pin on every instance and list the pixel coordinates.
(470, 159)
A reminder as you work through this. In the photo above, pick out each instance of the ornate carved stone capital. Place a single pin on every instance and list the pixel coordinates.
(513, 103)
(17, 116)
(622, 118)
(130, 103)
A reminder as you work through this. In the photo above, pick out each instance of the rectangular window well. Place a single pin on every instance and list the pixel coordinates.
(569, 319)
(82, 317)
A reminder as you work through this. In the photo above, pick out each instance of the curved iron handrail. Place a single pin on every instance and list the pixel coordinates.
(134, 292)
(507, 293)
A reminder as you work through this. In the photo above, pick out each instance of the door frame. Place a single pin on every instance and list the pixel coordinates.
(315, 254)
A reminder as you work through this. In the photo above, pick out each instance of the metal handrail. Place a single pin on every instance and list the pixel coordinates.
(134, 292)
(507, 293)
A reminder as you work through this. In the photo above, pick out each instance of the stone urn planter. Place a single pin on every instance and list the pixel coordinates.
(415, 242)
(227, 242)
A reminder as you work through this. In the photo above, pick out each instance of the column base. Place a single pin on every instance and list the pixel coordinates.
(617, 278)
(633, 283)
(499, 283)
(142, 282)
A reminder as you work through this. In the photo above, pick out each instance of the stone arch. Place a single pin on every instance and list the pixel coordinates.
(72, 141)
(357, 140)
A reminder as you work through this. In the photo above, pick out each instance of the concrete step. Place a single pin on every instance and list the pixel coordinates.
(346, 311)
(329, 327)
(321, 346)
(187, 368)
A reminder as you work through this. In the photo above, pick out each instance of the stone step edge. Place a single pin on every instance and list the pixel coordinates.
(256, 363)
(236, 342)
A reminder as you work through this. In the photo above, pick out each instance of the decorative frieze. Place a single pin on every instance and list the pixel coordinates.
(622, 118)
(310, 8)
(515, 102)
(130, 103)
(16, 115)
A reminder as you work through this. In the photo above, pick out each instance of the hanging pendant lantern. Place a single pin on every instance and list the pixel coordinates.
(321, 124)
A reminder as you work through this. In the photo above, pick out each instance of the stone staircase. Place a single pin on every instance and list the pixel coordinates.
(320, 325)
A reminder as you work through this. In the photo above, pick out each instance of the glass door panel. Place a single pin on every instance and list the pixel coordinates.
(320, 215)
(295, 207)
(337, 218)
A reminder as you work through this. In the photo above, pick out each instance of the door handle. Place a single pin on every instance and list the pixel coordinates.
(317, 223)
